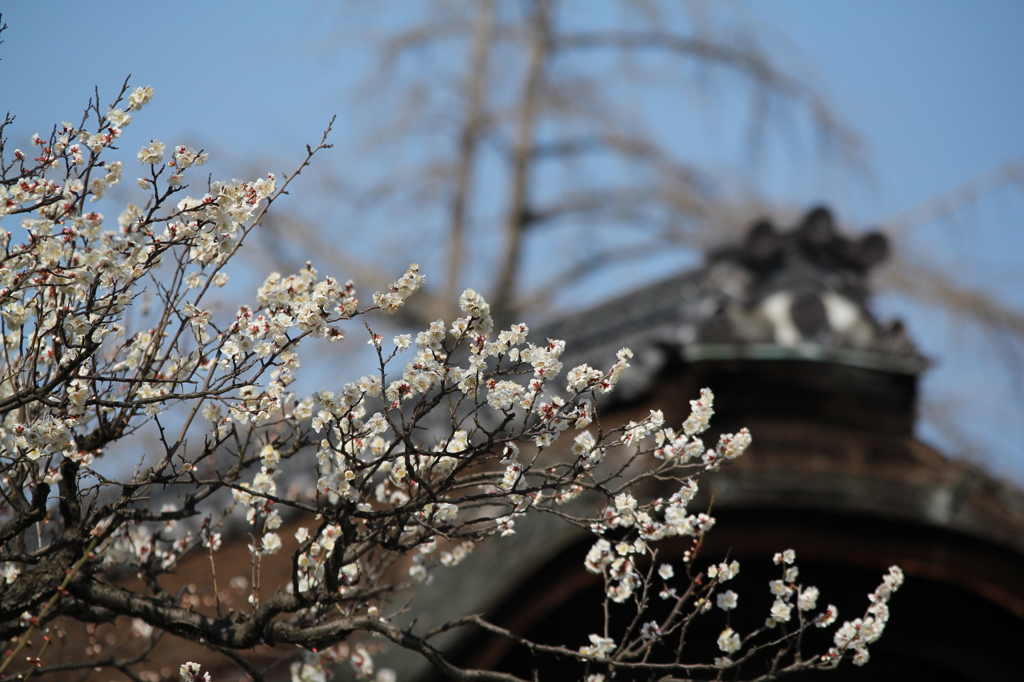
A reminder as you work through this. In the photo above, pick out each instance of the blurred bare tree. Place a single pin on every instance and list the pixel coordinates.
(526, 144)
(939, 286)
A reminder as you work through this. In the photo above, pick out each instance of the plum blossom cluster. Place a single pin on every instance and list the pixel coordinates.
(367, 458)
(394, 299)
(115, 338)
(67, 280)
(626, 566)
(687, 444)
(796, 608)
(855, 636)
(189, 672)
(105, 325)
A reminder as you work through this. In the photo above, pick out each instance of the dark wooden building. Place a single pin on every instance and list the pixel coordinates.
(779, 327)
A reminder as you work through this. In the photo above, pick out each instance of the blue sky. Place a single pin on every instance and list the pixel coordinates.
(933, 87)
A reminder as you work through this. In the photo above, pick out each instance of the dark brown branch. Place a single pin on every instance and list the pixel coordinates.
(186, 623)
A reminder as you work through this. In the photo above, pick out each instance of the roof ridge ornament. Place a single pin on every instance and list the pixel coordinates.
(795, 294)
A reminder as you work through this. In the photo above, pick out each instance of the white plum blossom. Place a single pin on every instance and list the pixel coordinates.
(700, 413)
(9, 572)
(153, 153)
(780, 613)
(140, 97)
(808, 599)
(724, 571)
(506, 524)
(727, 600)
(271, 543)
(599, 647)
(583, 377)
(600, 554)
(650, 631)
(408, 284)
(189, 672)
(827, 617)
(729, 641)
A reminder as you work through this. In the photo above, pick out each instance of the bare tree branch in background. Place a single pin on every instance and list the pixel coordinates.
(512, 129)
(469, 137)
(916, 272)
(946, 205)
(940, 287)
(527, 120)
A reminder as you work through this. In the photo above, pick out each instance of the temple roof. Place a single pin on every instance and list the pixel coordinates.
(796, 294)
